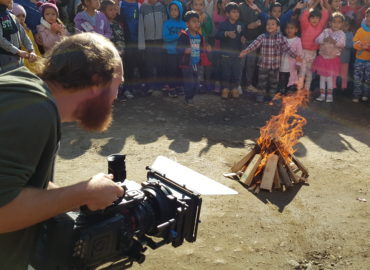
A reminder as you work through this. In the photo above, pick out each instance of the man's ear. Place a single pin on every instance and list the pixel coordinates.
(97, 85)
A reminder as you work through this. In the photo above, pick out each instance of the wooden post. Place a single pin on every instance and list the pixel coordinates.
(300, 166)
(277, 183)
(251, 170)
(239, 165)
(284, 176)
(269, 172)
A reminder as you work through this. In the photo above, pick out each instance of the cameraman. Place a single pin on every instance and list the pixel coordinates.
(77, 82)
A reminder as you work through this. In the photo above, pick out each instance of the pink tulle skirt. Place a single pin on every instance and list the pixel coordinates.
(326, 67)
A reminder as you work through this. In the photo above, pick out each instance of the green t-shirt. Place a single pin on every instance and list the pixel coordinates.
(29, 138)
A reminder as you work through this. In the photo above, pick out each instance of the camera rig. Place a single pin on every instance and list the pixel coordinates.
(158, 213)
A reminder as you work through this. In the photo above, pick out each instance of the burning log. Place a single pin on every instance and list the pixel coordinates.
(268, 164)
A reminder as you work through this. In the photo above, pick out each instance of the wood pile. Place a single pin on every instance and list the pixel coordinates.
(269, 170)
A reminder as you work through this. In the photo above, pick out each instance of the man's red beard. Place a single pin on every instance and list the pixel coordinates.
(95, 114)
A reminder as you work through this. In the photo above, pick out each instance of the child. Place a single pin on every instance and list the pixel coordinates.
(276, 10)
(171, 30)
(206, 30)
(21, 14)
(273, 45)
(352, 10)
(92, 20)
(345, 56)
(110, 10)
(12, 37)
(361, 43)
(129, 17)
(327, 63)
(219, 16)
(191, 47)
(230, 34)
(51, 29)
(249, 15)
(288, 76)
(335, 6)
(151, 17)
(313, 22)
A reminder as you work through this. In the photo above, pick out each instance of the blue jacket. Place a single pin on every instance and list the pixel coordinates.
(171, 28)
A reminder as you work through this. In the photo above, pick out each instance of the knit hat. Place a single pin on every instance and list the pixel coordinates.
(50, 4)
(18, 9)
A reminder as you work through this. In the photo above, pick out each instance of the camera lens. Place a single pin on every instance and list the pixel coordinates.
(117, 167)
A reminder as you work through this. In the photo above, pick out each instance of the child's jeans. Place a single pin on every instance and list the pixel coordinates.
(306, 71)
(230, 67)
(153, 63)
(190, 77)
(250, 64)
(268, 80)
(172, 76)
(361, 78)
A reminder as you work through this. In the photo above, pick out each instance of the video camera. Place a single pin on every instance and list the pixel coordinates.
(117, 236)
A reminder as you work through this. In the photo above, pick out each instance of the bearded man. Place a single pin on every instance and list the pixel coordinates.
(77, 82)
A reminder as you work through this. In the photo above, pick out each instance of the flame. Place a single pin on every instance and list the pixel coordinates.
(282, 132)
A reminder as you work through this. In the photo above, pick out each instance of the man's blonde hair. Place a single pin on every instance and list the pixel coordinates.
(80, 61)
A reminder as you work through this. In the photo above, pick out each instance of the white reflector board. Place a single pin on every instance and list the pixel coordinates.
(191, 179)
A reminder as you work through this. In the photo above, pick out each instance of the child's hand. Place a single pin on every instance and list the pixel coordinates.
(299, 5)
(230, 34)
(23, 54)
(243, 40)
(243, 53)
(202, 18)
(56, 28)
(32, 57)
(299, 59)
(188, 50)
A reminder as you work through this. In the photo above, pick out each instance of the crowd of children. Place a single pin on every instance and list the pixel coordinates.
(220, 46)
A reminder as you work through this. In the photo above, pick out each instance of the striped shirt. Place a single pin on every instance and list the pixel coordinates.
(272, 48)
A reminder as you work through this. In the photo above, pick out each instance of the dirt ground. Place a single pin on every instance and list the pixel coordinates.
(317, 226)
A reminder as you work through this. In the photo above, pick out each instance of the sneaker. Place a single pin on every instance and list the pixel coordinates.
(364, 98)
(321, 97)
(329, 98)
(235, 93)
(128, 94)
(252, 89)
(156, 93)
(172, 93)
(225, 93)
(189, 102)
(240, 90)
(355, 100)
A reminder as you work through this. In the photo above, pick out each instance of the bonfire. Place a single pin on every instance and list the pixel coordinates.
(271, 162)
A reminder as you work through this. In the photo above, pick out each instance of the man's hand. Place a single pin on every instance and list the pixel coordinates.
(101, 191)
(299, 59)
(188, 50)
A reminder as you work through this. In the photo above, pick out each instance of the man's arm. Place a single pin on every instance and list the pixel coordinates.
(33, 205)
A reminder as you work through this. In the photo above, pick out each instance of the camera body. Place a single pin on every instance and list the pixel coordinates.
(158, 213)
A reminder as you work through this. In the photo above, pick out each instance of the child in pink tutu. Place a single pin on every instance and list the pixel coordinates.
(327, 63)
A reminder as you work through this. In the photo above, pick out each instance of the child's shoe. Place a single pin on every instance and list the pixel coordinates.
(355, 100)
(329, 98)
(321, 97)
(235, 93)
(365, 99)
(172, 93)
(225, 93)
(128, 94)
